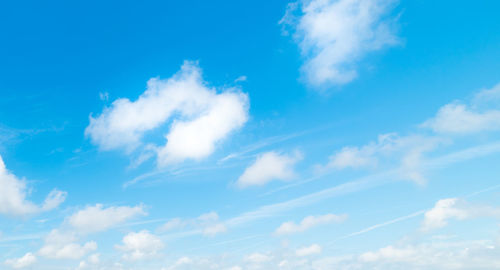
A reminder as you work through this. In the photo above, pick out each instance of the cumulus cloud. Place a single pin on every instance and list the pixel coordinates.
(481, 114)
(334, 35)
(62, 245)
(140, 245)
(267, 167)
(291, 227)
(25, 261)
(199, 117)
(13, 196)
(97, 218)
(454, 208)
(307, 251)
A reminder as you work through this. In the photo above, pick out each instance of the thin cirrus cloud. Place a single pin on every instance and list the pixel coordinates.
(334, 35)
(267, 167)
(309, 222)
(13, 196)
(406, 153)
(199, 117)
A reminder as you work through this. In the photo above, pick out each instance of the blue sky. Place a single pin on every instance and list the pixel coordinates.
(318, 134)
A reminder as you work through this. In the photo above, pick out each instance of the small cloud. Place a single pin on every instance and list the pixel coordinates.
(241, 79)
(140, 245)
(307, 251)
(309, 222)
(267, 167)
(104, 96)
(26, 261)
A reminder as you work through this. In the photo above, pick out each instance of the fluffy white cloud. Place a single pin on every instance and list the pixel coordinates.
(460, 119)
(309, 222)
(25, 261)
(97, 218)
(310, 250)
(61, 245)
(453, 208)
(13, 196)
(334, 35)
(140, 245)
(482, 114)
(199, 116)
(267, 167)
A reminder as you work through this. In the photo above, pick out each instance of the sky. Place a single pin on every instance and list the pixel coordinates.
(231, 135)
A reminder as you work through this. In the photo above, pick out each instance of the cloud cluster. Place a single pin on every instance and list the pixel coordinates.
(309, 250)
(63, 245)
(334, 35)
(13, 196)
(198, 115)
(267, 167)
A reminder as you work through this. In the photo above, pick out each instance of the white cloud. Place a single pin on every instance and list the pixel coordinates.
(96, 218)
(460, 119)
(309, 222)
(13, 196)
(27, 260)
(454, 208)
(257, 258)
(214, 229)
(482, 114)
(200, 117)
(334, 35)
(92, 261)
(208, 224)
(388, 253)
(405, 152)
(441, 255)
(61, 245)
(172, 224)
(140, 245)
(310, 250)
(267, 167)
